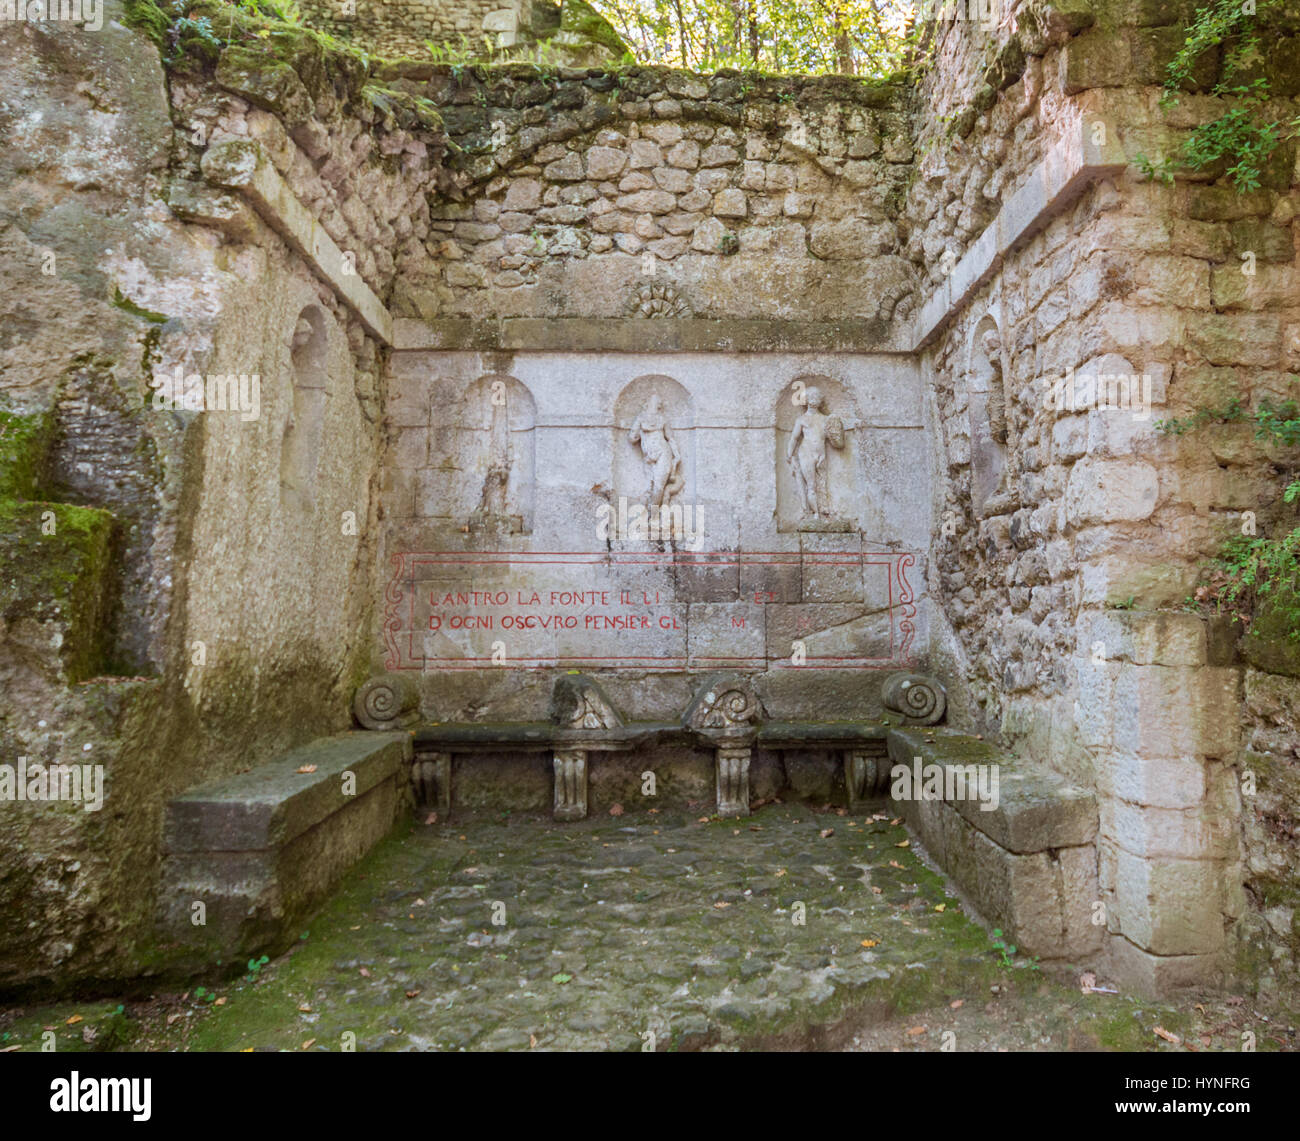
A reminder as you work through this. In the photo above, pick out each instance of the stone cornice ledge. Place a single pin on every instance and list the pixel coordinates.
(1093, 151)
(650, 335)
(242, 165)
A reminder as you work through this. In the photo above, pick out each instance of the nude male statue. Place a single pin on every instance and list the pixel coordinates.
(659, 450)
(806, 451)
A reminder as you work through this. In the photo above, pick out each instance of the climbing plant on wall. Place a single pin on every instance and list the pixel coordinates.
(1255, 576)
(1244, 137)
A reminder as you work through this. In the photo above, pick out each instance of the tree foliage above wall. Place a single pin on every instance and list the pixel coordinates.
(849, 37)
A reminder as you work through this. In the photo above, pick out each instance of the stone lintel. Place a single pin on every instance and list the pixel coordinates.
(1092, 152)
(243, 165)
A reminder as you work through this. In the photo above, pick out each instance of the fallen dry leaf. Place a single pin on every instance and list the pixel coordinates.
(870, 942)
(957, 1003)
(827, 833)
(172, 1018)
(896, 820)
(940, 907)
(702, 820)
(73, 1020)
(877, 891)
(1161, 1032)
(616, 810)
(721, 904)
(895, 864)
(1087, 981)
(432, 818)
(364, 973)
(532, 1041)
(412, 993)
(305, 1008)
(309, 1044)
(915, 1030)
(221, 1001)
(903, 844)
(305, 769)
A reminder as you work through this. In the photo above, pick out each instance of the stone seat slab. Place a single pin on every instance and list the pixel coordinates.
(273, 804)
(1037, 811)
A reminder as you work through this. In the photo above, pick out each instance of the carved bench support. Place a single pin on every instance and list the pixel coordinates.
(431, 781)
(570, 784)
(733, 781)
(865, 775)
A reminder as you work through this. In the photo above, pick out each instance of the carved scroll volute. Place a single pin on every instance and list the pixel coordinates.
(922, 700)
(389, 702)
(725, 705)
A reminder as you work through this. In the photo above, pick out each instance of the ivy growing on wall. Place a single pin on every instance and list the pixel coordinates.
(1243, 138)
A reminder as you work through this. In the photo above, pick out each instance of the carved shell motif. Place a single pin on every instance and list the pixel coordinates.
(659, 301)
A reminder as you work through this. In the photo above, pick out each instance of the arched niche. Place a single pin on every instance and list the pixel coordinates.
(498, 453)
(986, 409)
(818, 480)
(653, 451)
(304, 426)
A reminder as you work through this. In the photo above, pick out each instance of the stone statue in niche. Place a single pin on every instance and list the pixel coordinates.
(813, 432)
(659, 451)
(997, 405)
(494, 502)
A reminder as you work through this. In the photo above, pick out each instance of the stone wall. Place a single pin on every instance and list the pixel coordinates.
(1070, 539)
(748, 197)
(574, 233)
(242, 589)
(403, 27)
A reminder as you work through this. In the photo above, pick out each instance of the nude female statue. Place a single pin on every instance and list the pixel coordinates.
(659, 451)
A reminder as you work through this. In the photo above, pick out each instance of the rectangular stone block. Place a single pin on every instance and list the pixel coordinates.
(1168, 906)
(271, 805)
(1018, 893)
(1177, 710)
(1036, 809)
(1140, 971)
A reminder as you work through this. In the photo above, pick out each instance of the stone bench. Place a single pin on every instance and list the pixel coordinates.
(725, 716)
(260, 850)
(1029, 865)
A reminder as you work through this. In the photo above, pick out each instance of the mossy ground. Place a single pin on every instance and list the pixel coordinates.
(620, 927)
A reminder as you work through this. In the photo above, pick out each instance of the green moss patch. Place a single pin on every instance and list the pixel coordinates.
(56, 559)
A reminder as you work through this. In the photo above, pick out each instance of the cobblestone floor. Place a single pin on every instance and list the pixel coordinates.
(794, 927)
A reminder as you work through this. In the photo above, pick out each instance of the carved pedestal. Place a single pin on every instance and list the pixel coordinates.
(733, 781)
(570, 784)
(862, 776)
(431, 781)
